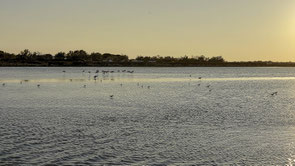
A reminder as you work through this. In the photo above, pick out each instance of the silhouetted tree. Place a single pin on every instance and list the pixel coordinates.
(45, 57)
(78, 55)
(23, 55)
(217, 59)
(81, 58)
(202, 58)
(60, 56)
(96, 56)
(4, 56)
(33, 56)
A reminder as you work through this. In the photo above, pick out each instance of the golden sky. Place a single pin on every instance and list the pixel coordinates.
(238, 30)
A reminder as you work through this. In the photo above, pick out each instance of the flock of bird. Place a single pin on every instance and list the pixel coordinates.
(94, 77)
(124, 71)
(105, 72)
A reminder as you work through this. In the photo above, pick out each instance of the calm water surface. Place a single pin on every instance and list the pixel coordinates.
(157, 116)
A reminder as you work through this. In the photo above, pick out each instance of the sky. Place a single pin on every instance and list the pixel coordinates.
(237, 30)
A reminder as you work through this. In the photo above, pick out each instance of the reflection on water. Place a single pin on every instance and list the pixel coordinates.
(156, 116)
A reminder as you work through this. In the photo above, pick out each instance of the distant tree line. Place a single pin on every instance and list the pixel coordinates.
(182, 61)
(72, 58)
(82, 58)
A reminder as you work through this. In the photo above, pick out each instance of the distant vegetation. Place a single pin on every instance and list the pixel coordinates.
(82, 58)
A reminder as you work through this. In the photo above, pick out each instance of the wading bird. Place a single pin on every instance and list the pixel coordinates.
(94, 77)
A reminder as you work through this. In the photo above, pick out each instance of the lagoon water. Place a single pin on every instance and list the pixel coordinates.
(228, 117)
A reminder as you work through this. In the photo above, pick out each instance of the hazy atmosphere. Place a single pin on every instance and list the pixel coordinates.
(237, 30)
(147, 82)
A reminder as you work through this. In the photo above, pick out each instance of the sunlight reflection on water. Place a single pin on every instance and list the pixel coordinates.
(155, 116)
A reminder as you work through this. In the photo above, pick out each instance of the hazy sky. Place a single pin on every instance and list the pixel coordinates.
(235, 29)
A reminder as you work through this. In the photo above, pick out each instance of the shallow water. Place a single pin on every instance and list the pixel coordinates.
(157, 116)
